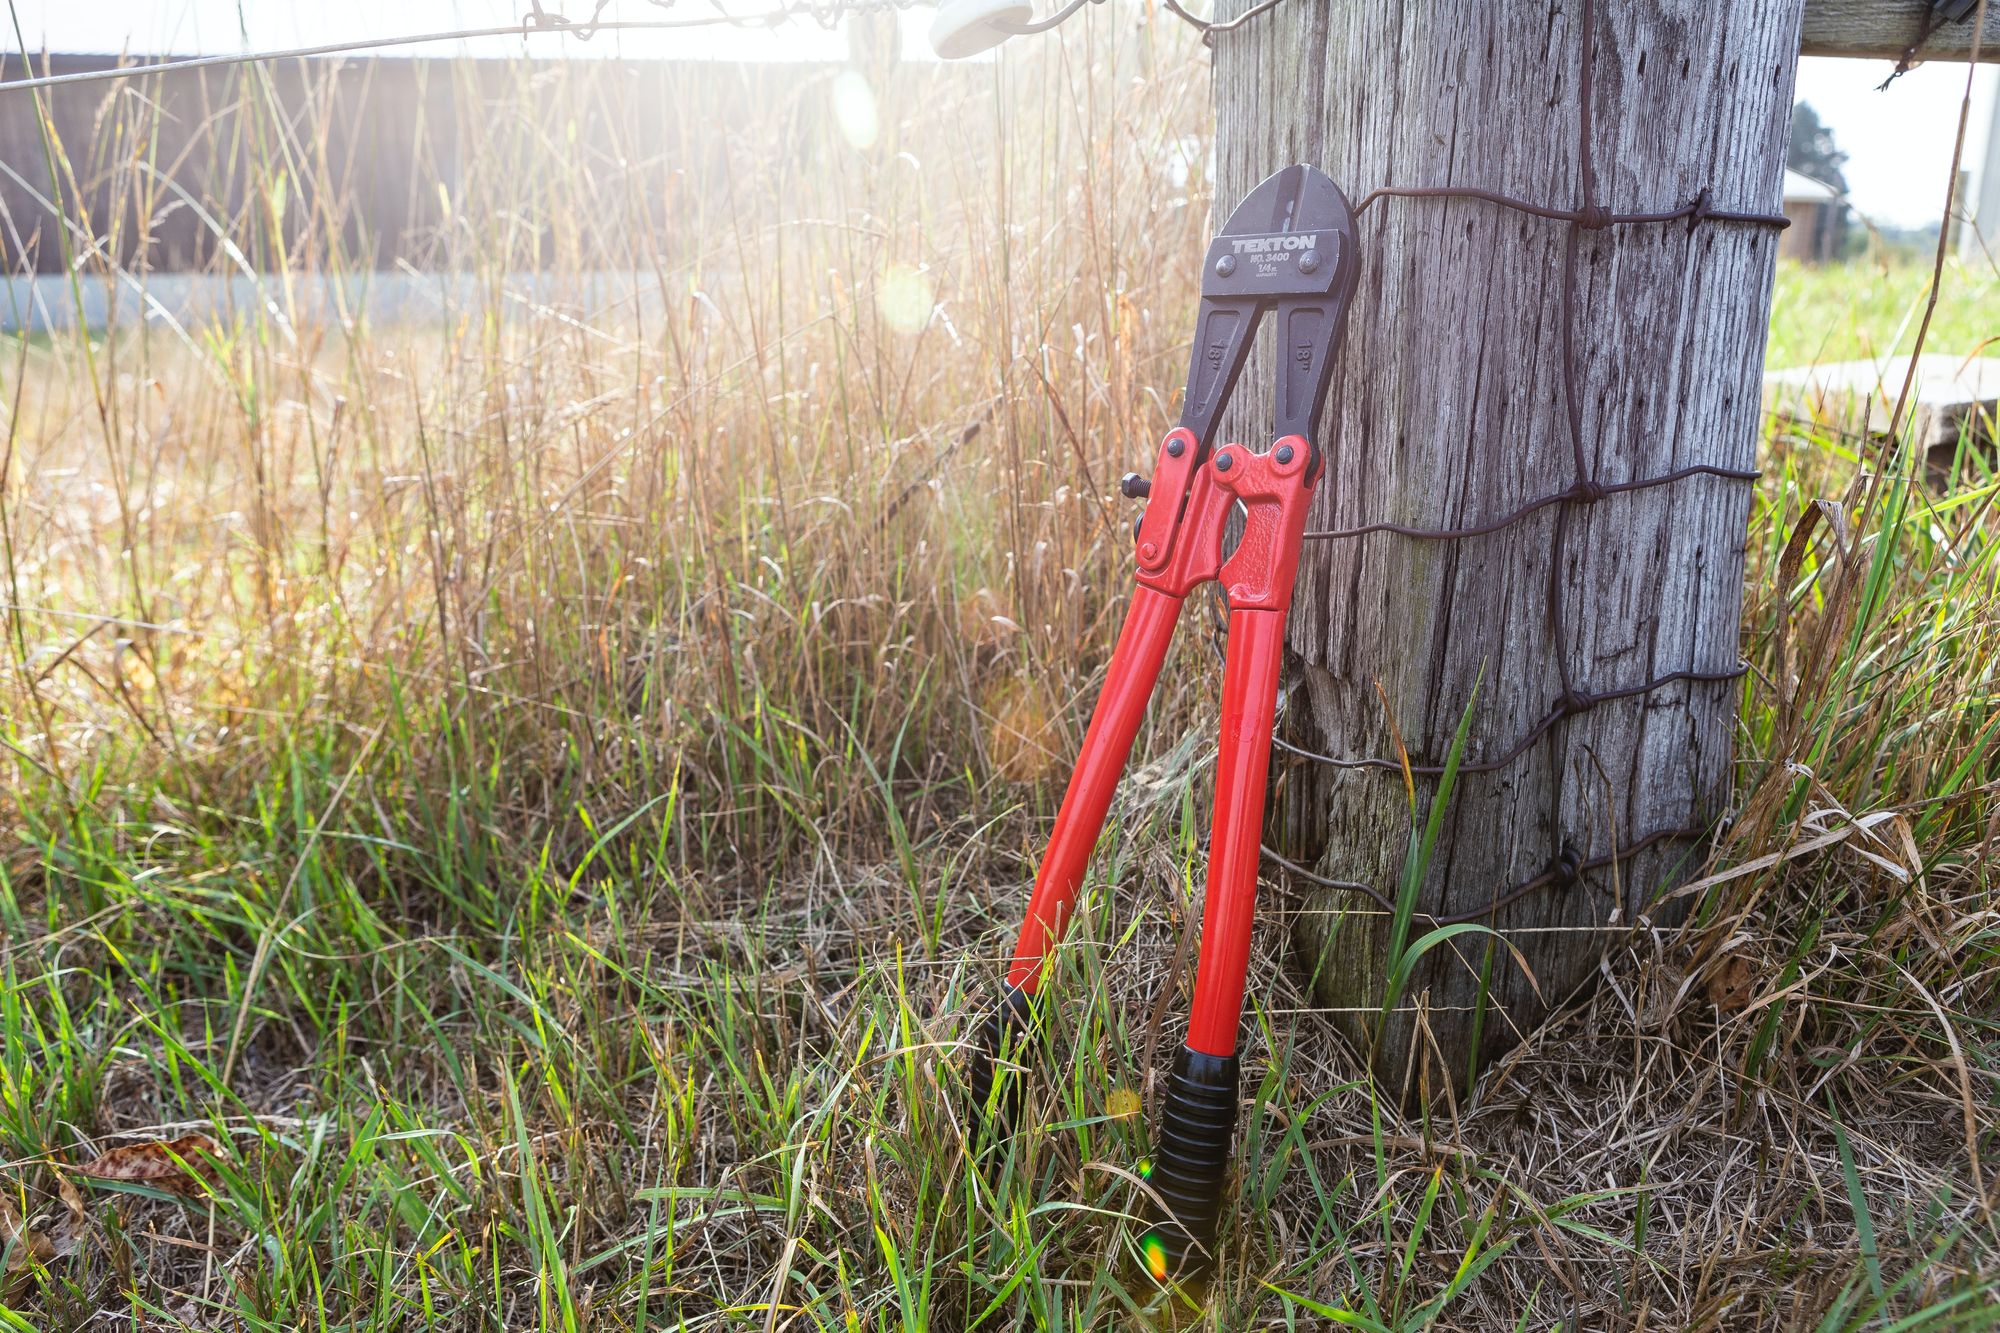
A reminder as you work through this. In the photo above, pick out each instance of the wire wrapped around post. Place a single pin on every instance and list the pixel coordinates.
(1573, 697)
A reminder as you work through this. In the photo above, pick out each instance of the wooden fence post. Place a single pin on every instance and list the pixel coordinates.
(1497, 358)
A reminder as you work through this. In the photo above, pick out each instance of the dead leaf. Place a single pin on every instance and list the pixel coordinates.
(67, 1235)
(155, 1164)
(1730, 986)
(26, 1250)
(72, 1200)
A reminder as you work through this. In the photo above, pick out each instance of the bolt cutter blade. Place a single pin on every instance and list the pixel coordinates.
(1285, 239)
(1289, 248)
(1221, 346)
(1295, 198)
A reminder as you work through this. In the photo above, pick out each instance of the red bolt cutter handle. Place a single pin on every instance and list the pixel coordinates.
(1135, 669)
(1191, 1162)
(1107, 744)
(1289, 249)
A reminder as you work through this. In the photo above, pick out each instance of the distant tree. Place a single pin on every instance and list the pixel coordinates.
(1814, 153)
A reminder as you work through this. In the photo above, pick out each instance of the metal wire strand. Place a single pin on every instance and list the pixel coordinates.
(1209, 28)
(1583, 492)
(1561, 870)
(541, 20)
(1591, 217)
(537, 20)
(1576, 701)
(1056, 19)
(527, 27)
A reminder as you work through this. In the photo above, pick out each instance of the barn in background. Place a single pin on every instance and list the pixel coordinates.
(1815, 209)
(238, 168)
(387, 184)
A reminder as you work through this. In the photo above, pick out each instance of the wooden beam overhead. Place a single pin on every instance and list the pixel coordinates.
(1884, 29)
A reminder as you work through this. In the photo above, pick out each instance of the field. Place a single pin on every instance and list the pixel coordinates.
(541, 789)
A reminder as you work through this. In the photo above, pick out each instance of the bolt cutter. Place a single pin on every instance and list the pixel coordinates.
(1288, 252)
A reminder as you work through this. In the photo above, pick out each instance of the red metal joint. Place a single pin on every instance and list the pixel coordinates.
(1276, 491)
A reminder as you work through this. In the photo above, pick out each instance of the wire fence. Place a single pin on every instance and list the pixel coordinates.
(1573, 698)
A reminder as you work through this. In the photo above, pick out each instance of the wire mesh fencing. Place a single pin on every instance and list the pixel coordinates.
(1574, 696)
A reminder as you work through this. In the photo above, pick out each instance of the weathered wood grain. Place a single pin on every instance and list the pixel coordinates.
(1448, 410)
(1884, 29)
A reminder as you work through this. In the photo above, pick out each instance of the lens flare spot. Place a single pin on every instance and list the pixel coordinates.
(854, 110)
(1122, 1104)
(1155, 1251)
(1145, 1168)
(905, 298)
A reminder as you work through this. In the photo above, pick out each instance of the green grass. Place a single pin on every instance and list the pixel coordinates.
(548, 793)
(1866, 309)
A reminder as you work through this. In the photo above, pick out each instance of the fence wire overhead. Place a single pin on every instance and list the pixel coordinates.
(540, 18)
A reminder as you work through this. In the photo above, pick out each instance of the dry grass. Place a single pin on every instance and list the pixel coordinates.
(542, 788)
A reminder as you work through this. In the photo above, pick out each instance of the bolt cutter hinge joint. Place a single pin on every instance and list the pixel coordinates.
(1180, 536)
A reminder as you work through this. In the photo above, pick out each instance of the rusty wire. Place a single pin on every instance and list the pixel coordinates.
(1210, 29)
(1572, 699)
(1565, 868)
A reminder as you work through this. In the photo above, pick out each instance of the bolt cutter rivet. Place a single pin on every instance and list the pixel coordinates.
(1309, 262)
(1225, 266)
(1148, 551)
(1284, 453)
(1176, 447)
(1223, 462)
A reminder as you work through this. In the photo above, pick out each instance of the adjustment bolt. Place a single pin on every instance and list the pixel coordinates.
(1176, 447)
(1309, 262)
(1284, 454)
(1223, 462)
(1134, 487)
(1225, 266)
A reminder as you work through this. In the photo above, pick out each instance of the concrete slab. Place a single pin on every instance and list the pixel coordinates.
(1949, 391)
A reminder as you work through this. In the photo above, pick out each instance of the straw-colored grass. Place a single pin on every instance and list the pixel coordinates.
(543, 788)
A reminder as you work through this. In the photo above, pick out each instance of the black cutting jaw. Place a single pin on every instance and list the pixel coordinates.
(1290, 250)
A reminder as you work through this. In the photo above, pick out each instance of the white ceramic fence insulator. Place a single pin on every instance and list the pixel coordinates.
(966, 27)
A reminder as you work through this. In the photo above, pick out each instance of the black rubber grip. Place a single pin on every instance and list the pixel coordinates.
(1006, 1028)
(1190, 1167)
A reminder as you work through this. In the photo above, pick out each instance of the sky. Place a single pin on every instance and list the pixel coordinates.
(1899, 141)
(197, 27)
